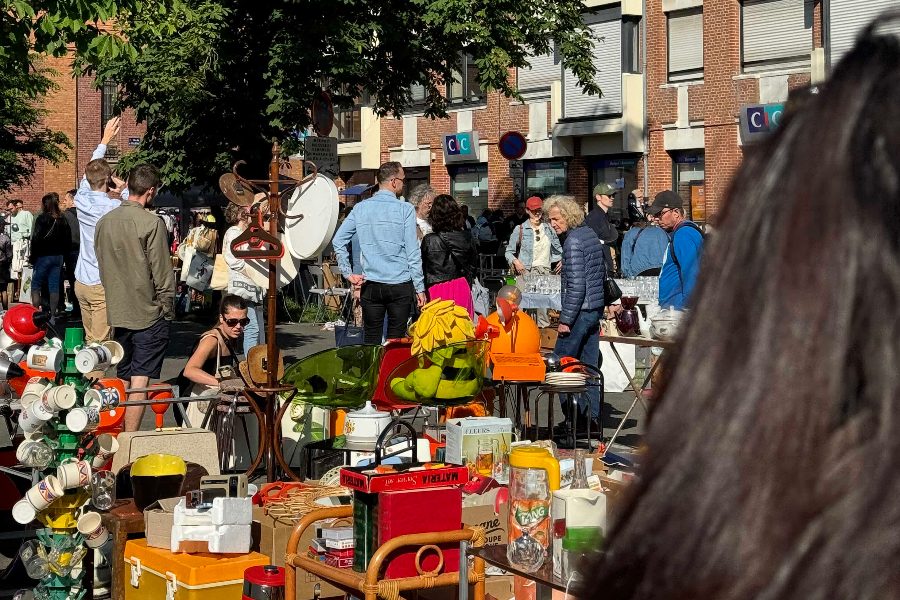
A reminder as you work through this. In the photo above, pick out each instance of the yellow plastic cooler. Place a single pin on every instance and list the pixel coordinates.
(157, 574)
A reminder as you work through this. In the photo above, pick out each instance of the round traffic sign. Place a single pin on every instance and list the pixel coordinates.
(512, 145)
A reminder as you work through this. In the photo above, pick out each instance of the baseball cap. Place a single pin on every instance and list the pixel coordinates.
(604, 189)
(665, 199)
(534, 203)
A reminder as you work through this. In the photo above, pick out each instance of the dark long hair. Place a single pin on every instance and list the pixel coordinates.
(772, 468)
(445, 213)
(50, 205)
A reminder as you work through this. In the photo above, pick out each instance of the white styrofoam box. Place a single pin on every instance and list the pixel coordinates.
(221, 539)
(224, 511)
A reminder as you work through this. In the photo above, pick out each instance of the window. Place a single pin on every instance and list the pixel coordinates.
(417, 90)
(606, 25)
(631, 45)
(534, 81)
(620, 173)
(685, 45)
(348, 120)
(546, 178)
(688, 174)
(107, 105)
(776, 34)
(469, 185)
(464, 85)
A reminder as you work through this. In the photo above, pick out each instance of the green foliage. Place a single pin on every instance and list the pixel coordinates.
(23, 137)
(219, 80)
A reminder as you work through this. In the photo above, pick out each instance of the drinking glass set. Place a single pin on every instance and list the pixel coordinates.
(540, 284)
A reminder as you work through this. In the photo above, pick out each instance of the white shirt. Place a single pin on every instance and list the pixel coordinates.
(541, 254)
(424, 225)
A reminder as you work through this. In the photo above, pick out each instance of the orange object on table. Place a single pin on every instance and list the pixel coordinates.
(518, 366)
(111, 420)
(161, 408)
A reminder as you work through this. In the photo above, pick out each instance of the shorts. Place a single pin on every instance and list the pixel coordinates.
(144, 350)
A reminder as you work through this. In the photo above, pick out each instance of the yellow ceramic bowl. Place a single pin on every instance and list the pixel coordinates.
(157, 465)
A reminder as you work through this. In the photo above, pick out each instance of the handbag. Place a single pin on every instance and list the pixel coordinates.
(196, 411)
(348, 335)
(186, 256)
(219, 280)
(611, 291)
(199, 272)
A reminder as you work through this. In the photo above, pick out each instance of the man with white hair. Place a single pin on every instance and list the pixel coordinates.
(422, 198)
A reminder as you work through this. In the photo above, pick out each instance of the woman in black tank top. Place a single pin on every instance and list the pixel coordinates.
(215, 348)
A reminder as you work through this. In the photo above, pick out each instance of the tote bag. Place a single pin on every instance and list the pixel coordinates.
(199, 272)
(219, 279)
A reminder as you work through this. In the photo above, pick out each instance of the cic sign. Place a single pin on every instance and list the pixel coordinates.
(759, 120)
(460, 147)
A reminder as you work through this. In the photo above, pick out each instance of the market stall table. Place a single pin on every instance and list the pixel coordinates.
(368, 583)
(641, 342)
(543, 577)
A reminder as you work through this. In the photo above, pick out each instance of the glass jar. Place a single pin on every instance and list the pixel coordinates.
(580, 553)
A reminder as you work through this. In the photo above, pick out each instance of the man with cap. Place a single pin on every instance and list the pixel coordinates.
(682, 260)
(598, 220)
(534, 246)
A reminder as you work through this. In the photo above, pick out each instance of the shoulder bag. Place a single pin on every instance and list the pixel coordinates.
(197, 410)
(219, 280)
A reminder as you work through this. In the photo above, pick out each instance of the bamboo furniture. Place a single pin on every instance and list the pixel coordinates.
(368, 583)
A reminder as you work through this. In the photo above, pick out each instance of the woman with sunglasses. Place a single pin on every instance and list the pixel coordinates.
(213, 357)
(239, 283)
(533, 247)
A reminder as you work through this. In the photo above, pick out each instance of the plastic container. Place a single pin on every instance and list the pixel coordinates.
(534, 475)
(580, 553)
(154, 573)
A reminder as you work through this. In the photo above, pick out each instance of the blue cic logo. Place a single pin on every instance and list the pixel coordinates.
(763, 119)
(458, 143)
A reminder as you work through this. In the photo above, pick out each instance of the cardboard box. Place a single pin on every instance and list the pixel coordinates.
(159, 519)
(478, 510)
(273, 540)
(463, 435)
(407, 476)
(498, 587)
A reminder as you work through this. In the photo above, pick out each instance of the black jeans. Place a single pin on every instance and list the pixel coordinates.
(395, 299)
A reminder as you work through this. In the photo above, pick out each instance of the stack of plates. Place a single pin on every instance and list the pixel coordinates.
(565, 379)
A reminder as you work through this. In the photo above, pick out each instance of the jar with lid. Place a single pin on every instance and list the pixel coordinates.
(580, 553)
(534, 475)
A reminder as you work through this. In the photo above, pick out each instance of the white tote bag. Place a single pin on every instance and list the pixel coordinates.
(200, 271)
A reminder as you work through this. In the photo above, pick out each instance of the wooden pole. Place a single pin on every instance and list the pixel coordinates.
(271, 361)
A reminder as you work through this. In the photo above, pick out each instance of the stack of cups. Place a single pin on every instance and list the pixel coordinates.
(47, 491)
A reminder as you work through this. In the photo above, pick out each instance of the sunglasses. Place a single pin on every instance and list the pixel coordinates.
(235, 322)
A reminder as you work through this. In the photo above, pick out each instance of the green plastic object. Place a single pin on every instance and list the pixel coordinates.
(337, 378)
(583, 539)
(74, 339)
(449, 375)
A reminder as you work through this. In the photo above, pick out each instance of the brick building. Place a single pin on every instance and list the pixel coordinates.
(79, 110)
(705, 61)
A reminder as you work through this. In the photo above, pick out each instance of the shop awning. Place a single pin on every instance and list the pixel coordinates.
(356, 190)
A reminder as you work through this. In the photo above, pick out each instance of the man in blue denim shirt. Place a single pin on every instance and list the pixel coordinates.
(390, 254)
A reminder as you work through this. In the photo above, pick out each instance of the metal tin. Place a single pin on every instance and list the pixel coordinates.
(264, 583)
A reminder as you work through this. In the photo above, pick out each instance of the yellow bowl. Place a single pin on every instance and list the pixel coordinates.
(156, 465)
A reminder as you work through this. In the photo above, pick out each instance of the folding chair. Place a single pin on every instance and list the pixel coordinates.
(329, 295)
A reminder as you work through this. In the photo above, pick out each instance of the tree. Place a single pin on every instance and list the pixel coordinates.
(23, 138)
(31, 29)
(220, 80)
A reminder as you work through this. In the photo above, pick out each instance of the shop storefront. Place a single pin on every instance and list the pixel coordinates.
(688, 175)
(545, 178)
(415, 177)
(469, 185)
(620, 172)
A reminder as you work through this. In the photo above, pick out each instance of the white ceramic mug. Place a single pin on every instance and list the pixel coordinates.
(93, 358)
(45, 358)
(23, 512)
(61, 397)
(105, 398)
(116, 351)
(34, 454)
(47, 491)
(32, 418)
(90, 526)
(34, 390)
(108, 445)
(74, 474)
(82, 420)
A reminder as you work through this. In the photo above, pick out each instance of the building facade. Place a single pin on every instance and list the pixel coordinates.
(79, 110)
(706, 60)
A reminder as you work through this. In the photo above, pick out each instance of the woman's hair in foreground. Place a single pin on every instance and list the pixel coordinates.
(772, 468)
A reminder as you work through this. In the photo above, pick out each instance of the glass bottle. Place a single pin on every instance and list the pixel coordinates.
(579, 479)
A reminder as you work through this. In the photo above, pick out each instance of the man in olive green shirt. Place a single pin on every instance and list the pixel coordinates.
(136, 271)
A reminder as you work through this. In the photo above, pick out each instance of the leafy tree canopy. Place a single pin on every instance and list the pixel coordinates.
(220, 80)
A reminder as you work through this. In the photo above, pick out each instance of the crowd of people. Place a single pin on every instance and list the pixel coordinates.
(398, 255)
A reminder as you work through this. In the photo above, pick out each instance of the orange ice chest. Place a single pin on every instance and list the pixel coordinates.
(154, 573)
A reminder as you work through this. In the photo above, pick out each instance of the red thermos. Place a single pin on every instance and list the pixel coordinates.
(264, 583)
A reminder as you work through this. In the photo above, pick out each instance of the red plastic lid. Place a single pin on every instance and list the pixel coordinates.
(268, 575)
(19, 324)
